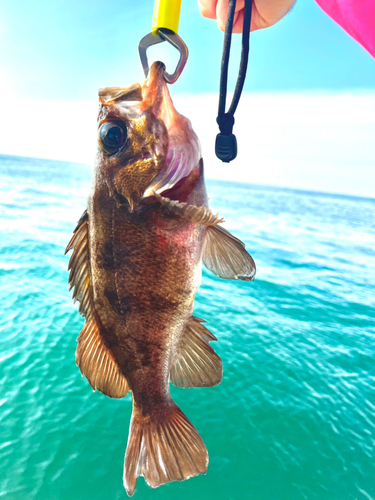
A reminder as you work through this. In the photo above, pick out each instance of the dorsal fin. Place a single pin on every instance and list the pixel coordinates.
(112, 94)
(93, 357)
(79, 276)
(195, 363)
(225, 255)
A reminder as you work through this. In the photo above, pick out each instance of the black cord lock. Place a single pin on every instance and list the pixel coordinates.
(226, 142)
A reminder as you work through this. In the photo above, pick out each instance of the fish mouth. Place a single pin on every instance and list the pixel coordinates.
(183, 152)
(174, 159)
(155, 88)
(182, 157)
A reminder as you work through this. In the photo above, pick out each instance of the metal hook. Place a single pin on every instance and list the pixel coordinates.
(158, 36)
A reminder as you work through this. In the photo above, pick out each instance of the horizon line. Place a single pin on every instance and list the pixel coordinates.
(243, 184)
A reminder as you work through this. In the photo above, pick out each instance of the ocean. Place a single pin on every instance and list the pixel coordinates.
(294, 417)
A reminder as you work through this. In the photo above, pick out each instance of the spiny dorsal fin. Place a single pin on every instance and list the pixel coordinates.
(195, 363)
(225, 255)
(199, 215)
(112, 94)
(94, 359)
(97, 363)
(79, 276)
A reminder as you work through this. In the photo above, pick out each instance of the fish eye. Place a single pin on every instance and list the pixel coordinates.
(112, 136)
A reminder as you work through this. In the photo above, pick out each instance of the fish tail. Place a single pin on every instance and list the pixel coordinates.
(163, 446)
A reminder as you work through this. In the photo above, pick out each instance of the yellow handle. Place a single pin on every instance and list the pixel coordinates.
(166, 14)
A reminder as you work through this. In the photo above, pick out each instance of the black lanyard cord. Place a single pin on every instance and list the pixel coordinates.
(226, 143)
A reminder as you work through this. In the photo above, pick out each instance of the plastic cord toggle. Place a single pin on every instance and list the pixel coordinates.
(226, 142)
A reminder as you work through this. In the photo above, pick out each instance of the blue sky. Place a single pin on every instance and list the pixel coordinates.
(65, 49)
(306, 119)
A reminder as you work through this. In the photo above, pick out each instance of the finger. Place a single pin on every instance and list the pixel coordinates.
(238, 22)
(256, 21)
(208, 8)
(206, 13)
(222, 12)
(240, 4)
(266, 13)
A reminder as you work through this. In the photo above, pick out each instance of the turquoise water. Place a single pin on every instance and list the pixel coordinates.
(294, 417)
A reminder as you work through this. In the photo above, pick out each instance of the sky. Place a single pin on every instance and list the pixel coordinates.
(306, 120)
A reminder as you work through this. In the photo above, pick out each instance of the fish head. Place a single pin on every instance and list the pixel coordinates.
(145, 146)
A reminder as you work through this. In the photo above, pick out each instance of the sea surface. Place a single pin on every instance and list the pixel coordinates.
(294, 417)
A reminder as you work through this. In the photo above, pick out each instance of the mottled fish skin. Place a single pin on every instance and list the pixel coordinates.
(135, 269)
(145, 264)
(146, 269)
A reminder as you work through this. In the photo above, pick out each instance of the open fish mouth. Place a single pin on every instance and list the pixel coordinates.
(183, 153)
(165, 147)
(180, 161)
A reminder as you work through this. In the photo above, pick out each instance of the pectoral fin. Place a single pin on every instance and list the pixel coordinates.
(225, 255)
(195, 363)
(93, 357)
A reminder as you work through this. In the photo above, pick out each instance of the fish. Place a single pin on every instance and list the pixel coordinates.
(135, 269)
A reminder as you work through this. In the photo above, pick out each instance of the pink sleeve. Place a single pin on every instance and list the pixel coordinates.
(356, 17)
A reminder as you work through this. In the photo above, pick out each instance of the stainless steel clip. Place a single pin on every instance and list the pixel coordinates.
(158, 36)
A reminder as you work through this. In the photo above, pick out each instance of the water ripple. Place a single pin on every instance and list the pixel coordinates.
(294, 415)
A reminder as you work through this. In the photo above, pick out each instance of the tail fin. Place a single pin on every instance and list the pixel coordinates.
(163, 446)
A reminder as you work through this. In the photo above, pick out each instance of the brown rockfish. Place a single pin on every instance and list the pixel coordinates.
(135, 269)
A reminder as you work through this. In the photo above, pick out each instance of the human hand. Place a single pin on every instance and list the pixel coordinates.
(265, 13)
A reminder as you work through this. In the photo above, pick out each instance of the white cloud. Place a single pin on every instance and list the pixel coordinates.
(49, 129)
(323, 142)
(313, 141)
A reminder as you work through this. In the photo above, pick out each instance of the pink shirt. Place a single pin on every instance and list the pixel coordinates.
(356, 17)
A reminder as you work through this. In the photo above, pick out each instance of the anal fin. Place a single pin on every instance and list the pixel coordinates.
(195, 363)
(98, 364)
